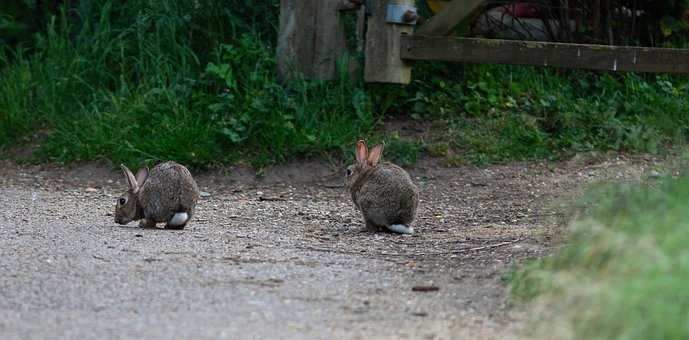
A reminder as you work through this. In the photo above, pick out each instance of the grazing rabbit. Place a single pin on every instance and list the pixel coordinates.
(384, 193)
(167, 194)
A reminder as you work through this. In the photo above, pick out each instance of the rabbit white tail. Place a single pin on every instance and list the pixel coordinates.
(401, 229)
(179, 219)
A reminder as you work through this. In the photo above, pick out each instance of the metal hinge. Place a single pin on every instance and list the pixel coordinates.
(402, 14)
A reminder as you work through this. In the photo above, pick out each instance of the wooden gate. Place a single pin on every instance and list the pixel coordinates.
(312, 40)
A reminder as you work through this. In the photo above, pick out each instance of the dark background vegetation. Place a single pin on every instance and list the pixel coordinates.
(195, 81)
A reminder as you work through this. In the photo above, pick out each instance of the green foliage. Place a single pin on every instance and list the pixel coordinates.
(195, 81)
(624, 271)
(309, 118)
(145, 82)
(400, 151)
(501, 113)
(439, 149)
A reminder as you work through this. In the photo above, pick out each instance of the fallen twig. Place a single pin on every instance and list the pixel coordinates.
(490, 246)
(333, 186)
(425, 288)
(271, 198)
(382, 257)
(469, 250)
(465, 250)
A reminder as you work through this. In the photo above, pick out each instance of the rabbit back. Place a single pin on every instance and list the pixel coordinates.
(169, 189)
(386, 195)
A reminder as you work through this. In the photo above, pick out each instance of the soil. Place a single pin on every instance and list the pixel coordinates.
(280, 256)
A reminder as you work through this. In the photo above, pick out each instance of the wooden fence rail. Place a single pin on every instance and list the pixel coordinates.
(594, 57)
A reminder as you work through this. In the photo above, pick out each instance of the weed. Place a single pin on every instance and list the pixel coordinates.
(453, 161)
(439, 149)
(401, 151)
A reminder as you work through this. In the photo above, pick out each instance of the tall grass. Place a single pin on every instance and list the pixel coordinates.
(195, 81)
(188, 81)
(624, 272)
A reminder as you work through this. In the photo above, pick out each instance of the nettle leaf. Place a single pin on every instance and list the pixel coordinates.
(232, 135)
(216, 107)
(218, 70)
(670, 25)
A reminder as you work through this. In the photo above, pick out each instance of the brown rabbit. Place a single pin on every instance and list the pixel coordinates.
(384, 193)
(168, 193)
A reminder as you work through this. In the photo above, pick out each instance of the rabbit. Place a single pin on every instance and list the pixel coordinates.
(168, 193)
(384, 193)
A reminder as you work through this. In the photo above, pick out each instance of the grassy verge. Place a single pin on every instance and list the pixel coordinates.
(195, 82)
(624, 272)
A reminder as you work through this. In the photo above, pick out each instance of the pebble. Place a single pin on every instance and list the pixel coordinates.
(654, 174)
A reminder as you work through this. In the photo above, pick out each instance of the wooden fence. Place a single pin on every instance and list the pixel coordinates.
(312, 39)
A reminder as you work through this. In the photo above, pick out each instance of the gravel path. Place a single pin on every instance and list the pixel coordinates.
(281, 257)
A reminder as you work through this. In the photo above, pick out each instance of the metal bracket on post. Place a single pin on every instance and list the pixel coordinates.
(401, 14)
(390, 19)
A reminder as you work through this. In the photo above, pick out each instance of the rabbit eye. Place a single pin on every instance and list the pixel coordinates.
(349, 172)
(122, 200)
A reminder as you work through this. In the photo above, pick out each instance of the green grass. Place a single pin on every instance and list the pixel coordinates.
(623, 273)
(502, 113)
(196, 82)
(127, 86)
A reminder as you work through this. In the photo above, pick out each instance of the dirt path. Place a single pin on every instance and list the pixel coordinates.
(278, 258)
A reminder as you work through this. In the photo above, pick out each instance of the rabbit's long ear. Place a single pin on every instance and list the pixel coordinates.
(361, 152)
(131, 180)
(374, 155)
(141, 176)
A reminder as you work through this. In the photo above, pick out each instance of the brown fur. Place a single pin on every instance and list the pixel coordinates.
(384, 193)
(169, 188)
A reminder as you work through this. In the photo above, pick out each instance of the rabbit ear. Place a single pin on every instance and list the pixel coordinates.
(374, 155)
(141, 176)
(131, 180)
(361, 152)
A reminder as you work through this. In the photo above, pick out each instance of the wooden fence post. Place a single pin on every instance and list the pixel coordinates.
(383, 62)
(311, 39)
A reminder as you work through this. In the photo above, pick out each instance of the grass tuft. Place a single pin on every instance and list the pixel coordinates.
(624, 271)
